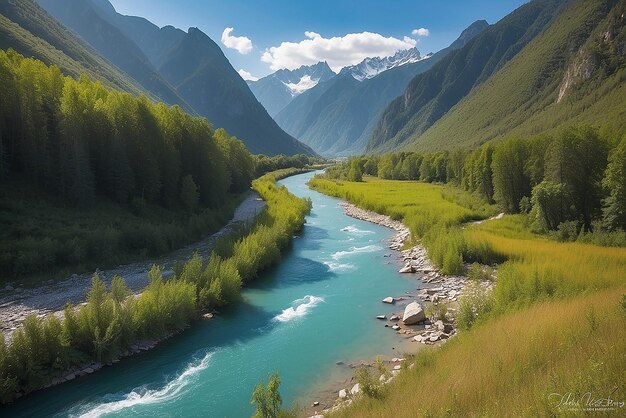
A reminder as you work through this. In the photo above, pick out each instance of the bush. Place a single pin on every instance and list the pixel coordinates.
(475, 302)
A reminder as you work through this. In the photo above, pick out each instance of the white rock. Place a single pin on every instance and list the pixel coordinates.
(413, 313)
(388, 299)
(355, 389)
(398, 367)
(381, 317)
(343, 394)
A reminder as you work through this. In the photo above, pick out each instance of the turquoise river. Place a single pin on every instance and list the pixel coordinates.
(316, 308)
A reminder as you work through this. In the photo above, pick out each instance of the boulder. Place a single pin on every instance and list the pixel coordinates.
(355, 389)
(381, 317)
(388, 299)
(413, 313)
(343, 394)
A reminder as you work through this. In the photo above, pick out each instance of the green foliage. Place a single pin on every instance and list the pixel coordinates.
(475, 303)
(614, 210)
(189, 195)
(268, 401)
(369, 384)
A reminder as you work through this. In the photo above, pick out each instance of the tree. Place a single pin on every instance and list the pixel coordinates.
(510, 182)
(552, 204)
(614, 210)
(189, 195)
(267, 399)
(355, 173)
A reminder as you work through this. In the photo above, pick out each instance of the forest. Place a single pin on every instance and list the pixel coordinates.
(113, 319)
(92, 177)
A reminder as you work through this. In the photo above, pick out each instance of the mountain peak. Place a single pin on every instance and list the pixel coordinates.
(371, 67)
(468, 33)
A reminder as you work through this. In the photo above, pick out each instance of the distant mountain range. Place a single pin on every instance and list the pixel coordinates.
(131, 53)
(276, 90)
(337, 117)
(371, 67)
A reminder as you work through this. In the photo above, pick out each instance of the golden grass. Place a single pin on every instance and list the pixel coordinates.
(509, 366)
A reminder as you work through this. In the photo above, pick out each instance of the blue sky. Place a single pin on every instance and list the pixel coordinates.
(267, 35)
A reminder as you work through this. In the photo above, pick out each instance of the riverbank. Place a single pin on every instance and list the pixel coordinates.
(17, 302)
(435, 288)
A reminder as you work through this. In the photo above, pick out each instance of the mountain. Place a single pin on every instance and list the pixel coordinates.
(371, 67)
(276, 90)
(186, 67)
(573, 72)
(432, 94)
(28, 29)
(337, 117)
(92, 23)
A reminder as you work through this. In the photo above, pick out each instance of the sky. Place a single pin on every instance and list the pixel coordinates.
(260, 37)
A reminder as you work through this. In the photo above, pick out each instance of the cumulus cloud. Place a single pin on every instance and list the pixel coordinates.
(338, 51)
(242, 44)
(420, 32)
(246, 75)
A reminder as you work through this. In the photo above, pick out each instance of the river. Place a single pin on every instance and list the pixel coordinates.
(316, 308)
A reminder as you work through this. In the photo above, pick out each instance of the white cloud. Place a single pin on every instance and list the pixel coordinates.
(420, 32)
(338, 51)
(242, 44)
(246, 75)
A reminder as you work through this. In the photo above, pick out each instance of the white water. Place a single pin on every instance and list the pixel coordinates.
(356, 231)
(300, 308)
(142, 396)
(356, 250)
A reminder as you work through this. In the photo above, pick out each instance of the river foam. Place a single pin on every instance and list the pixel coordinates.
(337, 267)
(299, 308)
(356, 231)
(356, 250)
(143, 396)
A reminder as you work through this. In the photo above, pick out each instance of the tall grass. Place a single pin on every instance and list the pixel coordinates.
(509, 367)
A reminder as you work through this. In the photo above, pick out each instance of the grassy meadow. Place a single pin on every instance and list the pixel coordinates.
(554, 323)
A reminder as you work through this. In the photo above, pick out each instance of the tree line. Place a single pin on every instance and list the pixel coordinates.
(573, 181)
(113, 319)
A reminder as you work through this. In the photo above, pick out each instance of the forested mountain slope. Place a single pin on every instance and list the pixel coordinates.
(87, 20)
(574, 72)
(28, 29)
(337, 117)
(432, 94)
(191, 63)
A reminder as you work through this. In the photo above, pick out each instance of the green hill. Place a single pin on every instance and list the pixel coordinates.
(28, 29)
(573, 72)
(432, 94)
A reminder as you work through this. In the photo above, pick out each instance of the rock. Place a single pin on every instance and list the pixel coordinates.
(435, 298)
(88, 370)
(394, 318)
(316, 403)
(355, 389)
(407, 269)
(433, 338)
(439, 325)
(413, 313)
(207, 315)
(395, 327)
(343, 394)
(382, 378)
(388, 299)
(398, 367)
(8, 287)
(434, 290)
(382, 317)
(418, 338)
(339, 363)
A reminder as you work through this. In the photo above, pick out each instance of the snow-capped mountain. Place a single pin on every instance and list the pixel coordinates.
(276, 90)
(371, 67)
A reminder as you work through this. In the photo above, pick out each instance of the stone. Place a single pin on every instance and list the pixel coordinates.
(407, 269)
(394, 318)
(388, 299)
(381, 317)
(433, 290)
(433, 338)
(355, 389)
(413, 313)
(439, 325)
(207, 315)
(316, 403)
(418, 338)
(395, 327)
(398, 367)
(343, 394)
(8, 287)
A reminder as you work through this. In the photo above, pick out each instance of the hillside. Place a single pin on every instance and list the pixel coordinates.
(574, 72)
(179, 67)
(432, 94)
(338, 116)
(28, 29)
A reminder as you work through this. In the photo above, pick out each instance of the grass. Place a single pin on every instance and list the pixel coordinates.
(41, 237)
(509, 367)
(554, 323)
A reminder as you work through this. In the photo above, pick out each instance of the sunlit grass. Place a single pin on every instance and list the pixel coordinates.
(510, 366)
